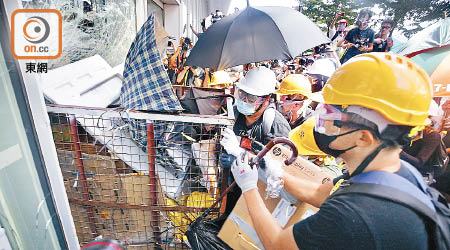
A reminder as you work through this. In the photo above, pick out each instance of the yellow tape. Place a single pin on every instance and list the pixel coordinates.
(336, 186)
(188, 137)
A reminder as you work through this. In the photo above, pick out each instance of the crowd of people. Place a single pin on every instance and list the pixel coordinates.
(346, 116)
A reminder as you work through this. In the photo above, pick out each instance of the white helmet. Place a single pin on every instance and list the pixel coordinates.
(323, 66)
(259, 81)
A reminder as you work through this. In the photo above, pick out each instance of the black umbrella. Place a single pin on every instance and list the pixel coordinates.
(253, 35)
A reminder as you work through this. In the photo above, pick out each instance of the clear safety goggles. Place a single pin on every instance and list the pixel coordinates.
(288, 103)
(291, 100)
(326, 115)
(249, 98)
(331, 118)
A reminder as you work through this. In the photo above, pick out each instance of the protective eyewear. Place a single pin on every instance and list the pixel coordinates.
(296, 97)
(326, 115)
(249, 98)
(331, 118)
(288, 102)
(385, 27)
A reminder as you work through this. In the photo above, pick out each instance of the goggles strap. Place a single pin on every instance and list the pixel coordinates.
(368, 159)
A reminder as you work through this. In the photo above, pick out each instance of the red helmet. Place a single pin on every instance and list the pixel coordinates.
(342, 21)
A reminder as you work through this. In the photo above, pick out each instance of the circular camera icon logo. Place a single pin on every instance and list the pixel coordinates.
(276, 151)
(36, 29)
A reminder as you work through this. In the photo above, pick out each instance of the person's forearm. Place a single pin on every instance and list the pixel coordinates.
(173, 58)
(334, 21)
(341, 43)
(206, 81)
(266, 226)
(306, 190)
(181, 75)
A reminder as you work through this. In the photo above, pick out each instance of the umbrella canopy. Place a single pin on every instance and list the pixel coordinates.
(253, 35)
(398, 45)
(146, 85)
(433, 37)
(437, 64)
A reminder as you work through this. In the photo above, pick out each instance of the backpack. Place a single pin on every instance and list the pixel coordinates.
(440, 157)
(424, 200)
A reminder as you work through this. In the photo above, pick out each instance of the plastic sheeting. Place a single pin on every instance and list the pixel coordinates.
(434, 36)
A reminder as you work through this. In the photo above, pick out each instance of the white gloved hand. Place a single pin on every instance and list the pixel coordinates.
(245, 176)
(273, 167)
(274, 174)
(230, 143)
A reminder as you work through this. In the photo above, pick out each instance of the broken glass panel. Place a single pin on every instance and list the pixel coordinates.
(90, 27)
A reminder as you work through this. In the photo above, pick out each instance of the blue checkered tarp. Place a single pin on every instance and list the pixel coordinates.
(146, 85)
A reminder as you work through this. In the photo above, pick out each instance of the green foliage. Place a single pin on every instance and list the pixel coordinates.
(408, 14)
(324, 11)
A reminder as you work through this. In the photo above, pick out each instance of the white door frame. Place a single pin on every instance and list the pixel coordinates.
(43, 131)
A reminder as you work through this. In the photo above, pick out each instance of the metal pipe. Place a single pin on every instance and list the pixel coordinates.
(152, 180)
(112, 205)
(82, 178)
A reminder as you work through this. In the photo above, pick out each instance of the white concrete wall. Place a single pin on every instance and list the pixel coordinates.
(186, 13)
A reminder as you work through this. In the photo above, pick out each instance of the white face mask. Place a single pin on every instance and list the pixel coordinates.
(245, 108)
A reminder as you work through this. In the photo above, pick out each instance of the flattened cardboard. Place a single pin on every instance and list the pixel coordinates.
(235, 236)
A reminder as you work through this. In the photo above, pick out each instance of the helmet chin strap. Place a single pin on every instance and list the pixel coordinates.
(363, 165)
(261, 105)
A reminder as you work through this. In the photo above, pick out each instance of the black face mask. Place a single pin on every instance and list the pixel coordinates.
(323, 142)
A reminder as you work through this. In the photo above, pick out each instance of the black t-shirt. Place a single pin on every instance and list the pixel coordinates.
(280, 128)
(358, 37)
(355, 221)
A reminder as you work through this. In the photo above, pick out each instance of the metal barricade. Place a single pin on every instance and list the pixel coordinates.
(137, 177)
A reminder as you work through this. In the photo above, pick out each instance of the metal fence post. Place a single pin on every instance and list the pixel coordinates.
(82, 178)
(153, 182)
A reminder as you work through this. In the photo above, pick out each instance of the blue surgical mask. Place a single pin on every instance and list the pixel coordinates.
(245, 108)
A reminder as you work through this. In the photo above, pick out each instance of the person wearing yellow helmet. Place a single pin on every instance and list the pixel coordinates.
(303, 137)
(295, 101)
(374, 104)
(220, 79)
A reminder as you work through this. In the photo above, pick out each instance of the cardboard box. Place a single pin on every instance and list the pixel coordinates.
(238, 231)
(93, 164)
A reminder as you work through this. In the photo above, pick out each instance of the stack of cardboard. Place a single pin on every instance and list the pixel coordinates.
(238, 231)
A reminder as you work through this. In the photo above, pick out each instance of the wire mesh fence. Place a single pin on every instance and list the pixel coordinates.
(139, 178)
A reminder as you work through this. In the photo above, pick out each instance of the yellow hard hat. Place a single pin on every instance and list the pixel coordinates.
(390, 84)
(220, 78)
(303, 138)
(295, 84)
